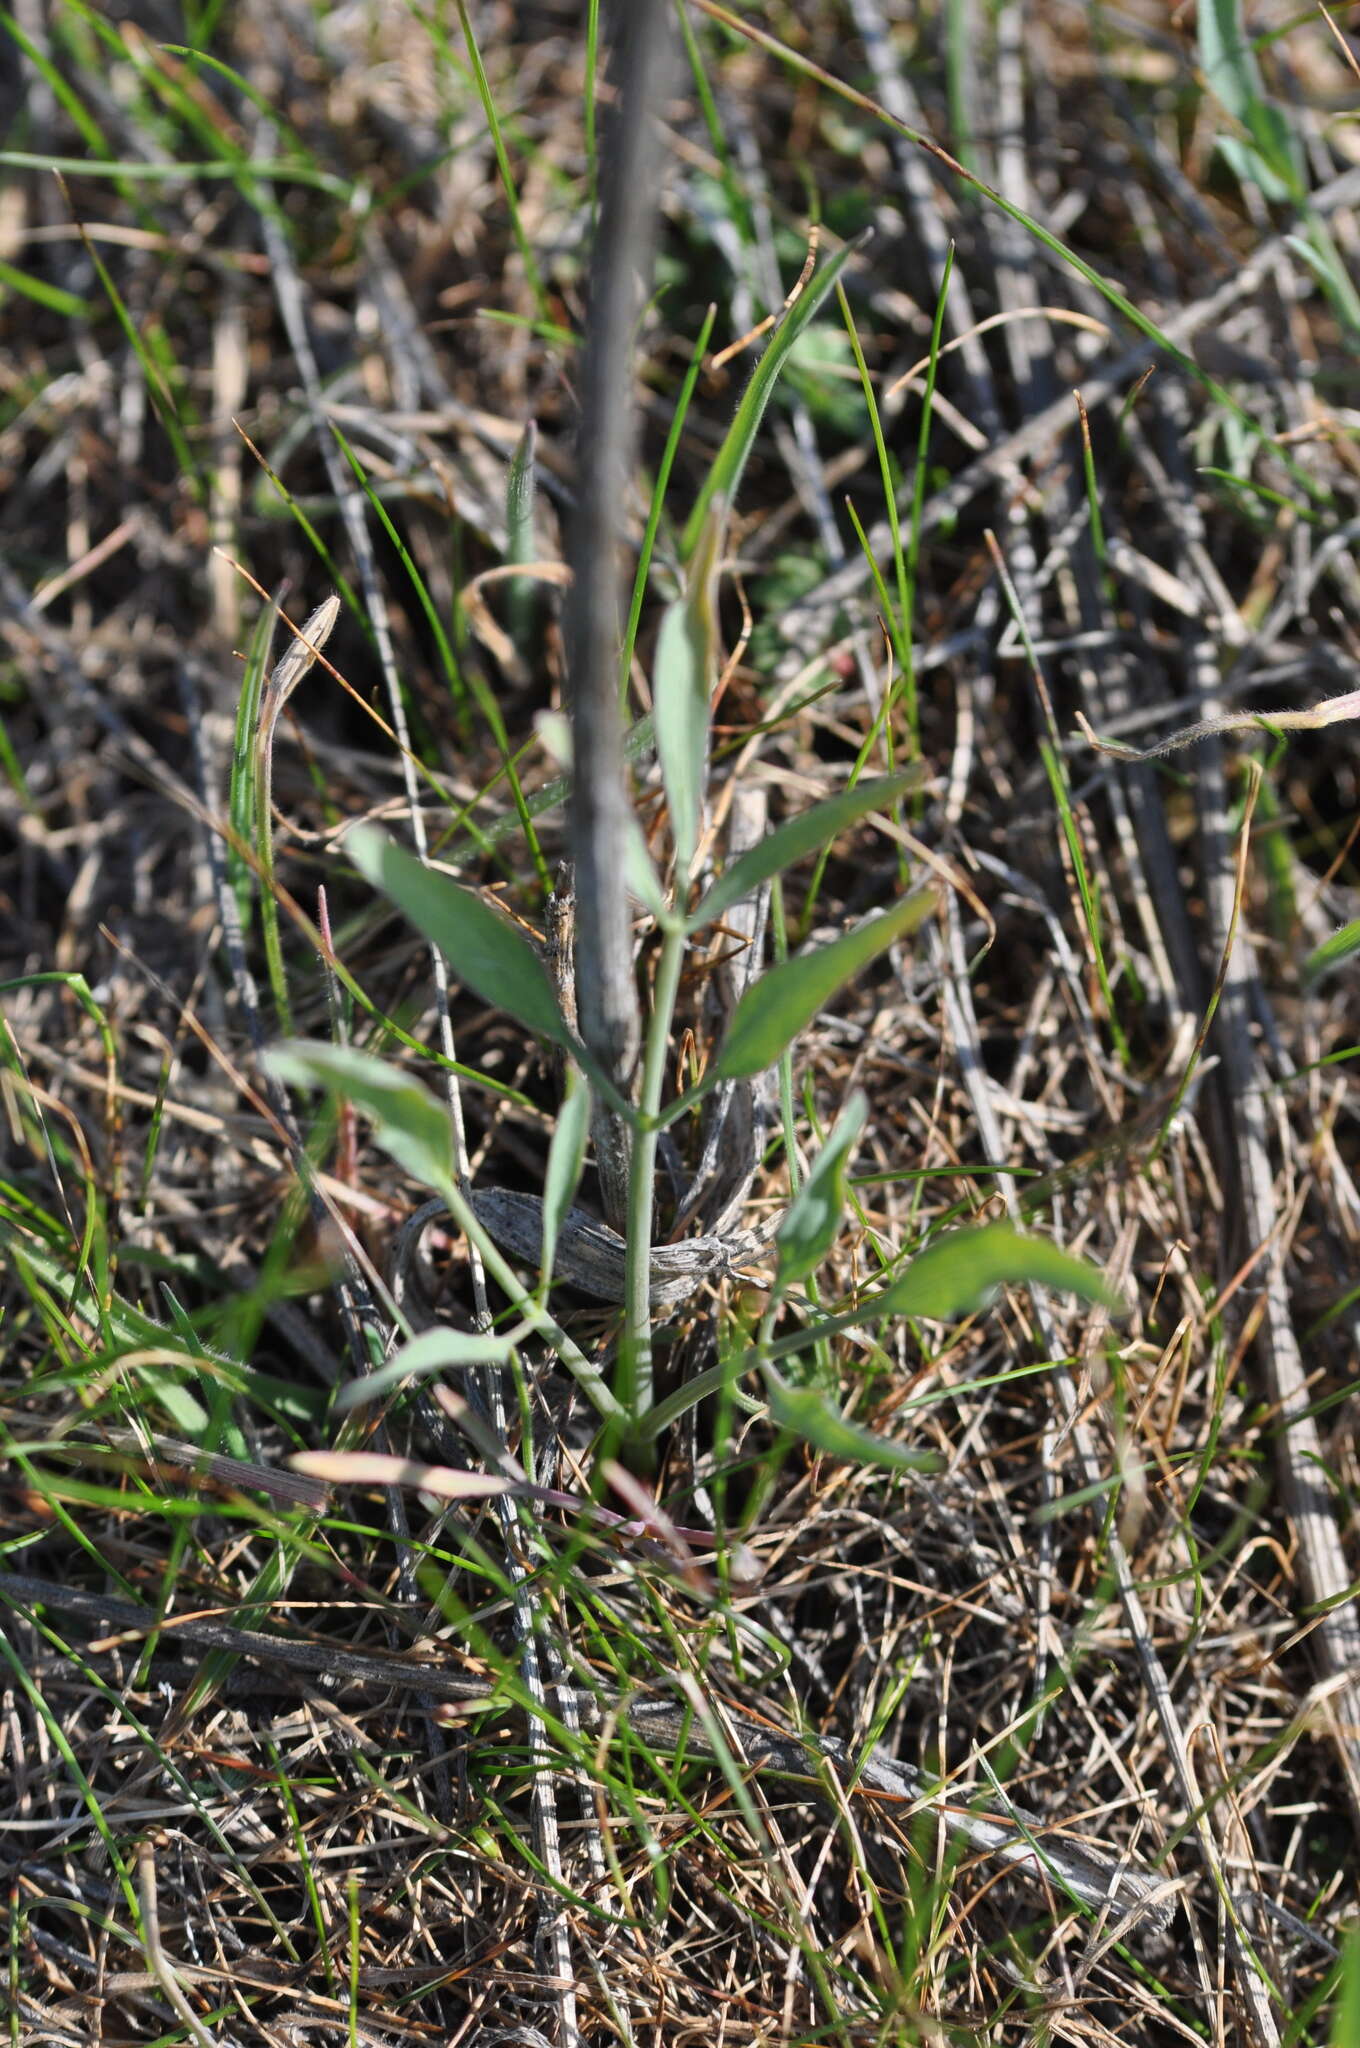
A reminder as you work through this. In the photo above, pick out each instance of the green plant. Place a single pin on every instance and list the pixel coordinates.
(494, 960)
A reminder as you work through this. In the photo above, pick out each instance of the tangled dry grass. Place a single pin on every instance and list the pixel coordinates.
(1122, 1601)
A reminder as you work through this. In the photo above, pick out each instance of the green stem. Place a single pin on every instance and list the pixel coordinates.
(264, 846)
(635, 1358)
(534, 1315)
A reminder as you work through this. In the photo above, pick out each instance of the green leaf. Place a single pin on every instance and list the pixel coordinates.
(807, 1414)
(1231, 71)
(684, 672)
(1333, 952)
(640, 871)
(807, 833)
(1234, 78)
(813, 1218)
(188, 1415)
(50, 295)
(1346, 2013)
(959, 1272)
(485, 953)
(519, 500)
(519, 535)
(408, 1123)
(566, 1158)
(432, 1351)
(1250, 167)
(783, 1002)
(725, 474)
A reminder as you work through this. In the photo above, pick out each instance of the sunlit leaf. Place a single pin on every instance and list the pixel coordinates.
(485, 952)
(808, 1414)
(807, 833)
(409, 1125)
(684, 672)
(813, 1219)
(961, 1270)
(566, 1157)
(783, 1002)
(438, 1350)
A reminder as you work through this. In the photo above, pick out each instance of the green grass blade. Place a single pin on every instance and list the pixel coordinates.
(724, 476)
(493, 122)
(654, 510)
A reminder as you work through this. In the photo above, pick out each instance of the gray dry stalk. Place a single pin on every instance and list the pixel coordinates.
(591, 1256)
(606, 992)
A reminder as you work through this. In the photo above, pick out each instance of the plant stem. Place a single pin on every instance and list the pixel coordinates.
(531, 1311)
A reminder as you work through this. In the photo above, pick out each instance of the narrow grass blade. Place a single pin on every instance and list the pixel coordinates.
(493, 122)
(654, 510)
(519, 530)
(725, 475)
(67, 304)
(1333, 952)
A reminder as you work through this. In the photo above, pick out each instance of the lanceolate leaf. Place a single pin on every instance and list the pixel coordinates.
(683, 675)
(434, 1350)
(813, 1219)
(566, 1157)
(783, 1002)
(807, 833)
(408, 1123)
(960, 1271)
(639, 872)
(485, 953)
(809, 1415)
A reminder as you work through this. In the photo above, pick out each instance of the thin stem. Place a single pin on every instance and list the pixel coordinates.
(532, 1312)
